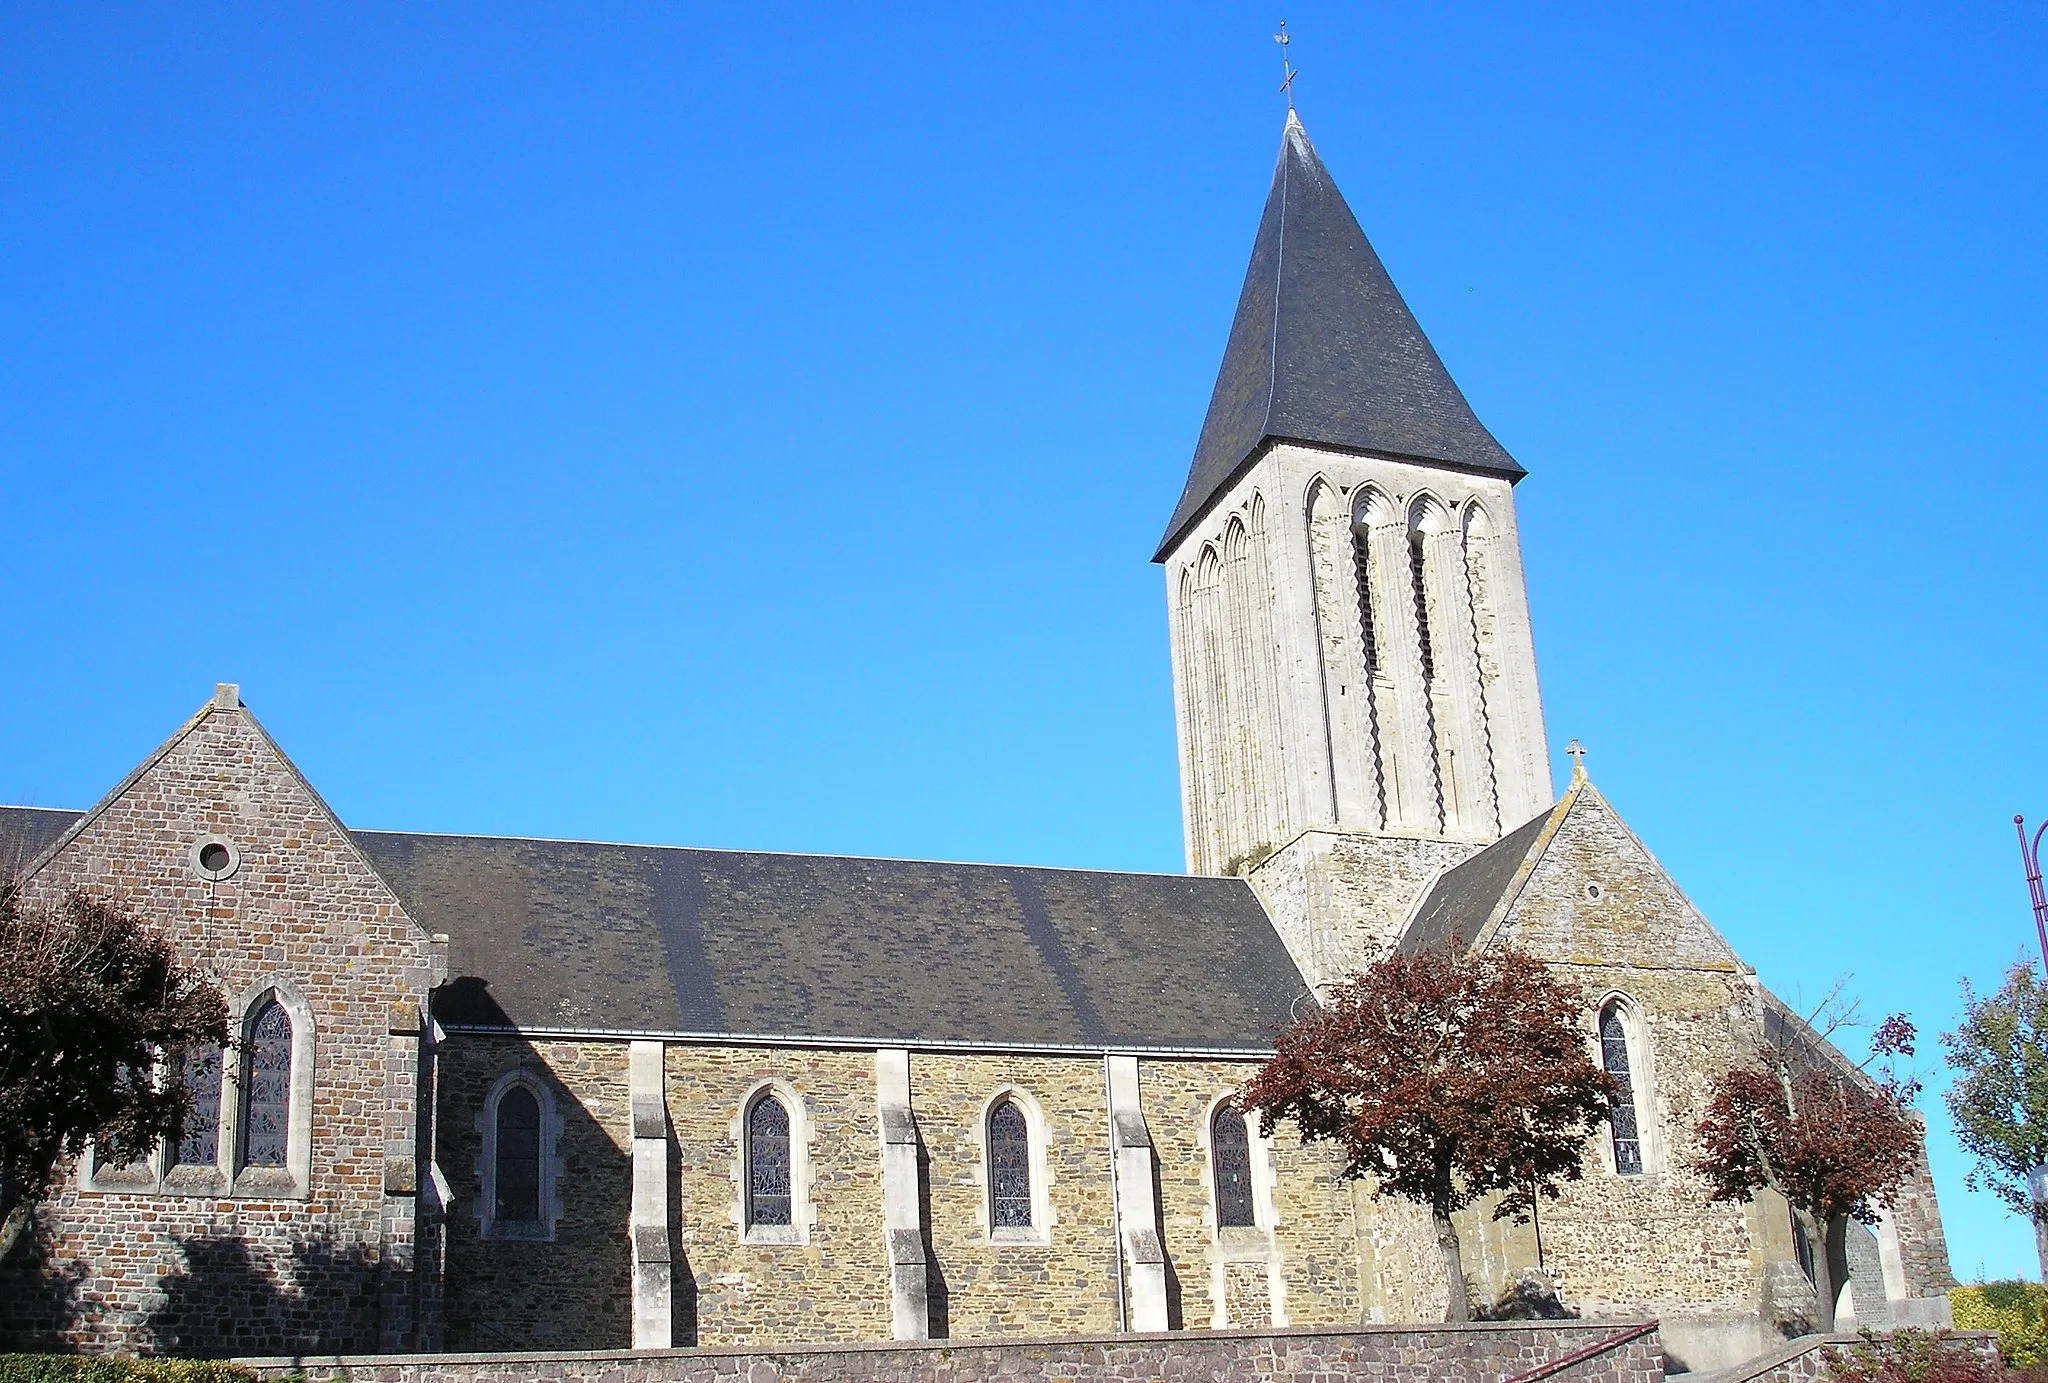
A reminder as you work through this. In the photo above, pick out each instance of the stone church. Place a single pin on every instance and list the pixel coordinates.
(496, 1094)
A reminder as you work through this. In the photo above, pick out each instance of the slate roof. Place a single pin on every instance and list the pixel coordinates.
(1457, 908)
(1324, 350)
(570, 935)
(25, 832)
(563, 934)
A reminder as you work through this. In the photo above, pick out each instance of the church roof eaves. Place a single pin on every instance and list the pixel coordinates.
(840, 1042)
(1324, 351)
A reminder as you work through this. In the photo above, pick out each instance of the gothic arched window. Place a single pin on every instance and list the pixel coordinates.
(1621, 1119)
(1009, 1166)
(768, 1162)
(516, 1150)
(200, 1147)
(267, 1087)
(1230, 1156)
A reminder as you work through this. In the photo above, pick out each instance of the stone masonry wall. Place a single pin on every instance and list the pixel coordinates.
(1616, 1352)
(1598, 906)
(1064, 1286)
(1262, 721)
(1301, 1267)
(575, 1290)
(833, 1286)
(1340, 900)
(1923, 1246)
(253, 1269)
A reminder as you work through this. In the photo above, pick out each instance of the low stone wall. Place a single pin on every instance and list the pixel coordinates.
(1507, 1352)
(1805, 1359)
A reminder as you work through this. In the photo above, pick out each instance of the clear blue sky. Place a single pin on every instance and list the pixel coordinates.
(748, 426)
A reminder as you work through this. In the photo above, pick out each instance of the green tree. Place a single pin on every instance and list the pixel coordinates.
(2000, 1096)
(1445, 1077)
(94, 1007)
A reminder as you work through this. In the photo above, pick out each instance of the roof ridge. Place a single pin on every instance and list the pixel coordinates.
(804, 854)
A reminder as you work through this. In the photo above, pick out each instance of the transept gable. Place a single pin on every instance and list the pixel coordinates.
(218, 835)
(1590, 892)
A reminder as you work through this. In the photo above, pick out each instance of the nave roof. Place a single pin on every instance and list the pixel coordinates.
(574, 936)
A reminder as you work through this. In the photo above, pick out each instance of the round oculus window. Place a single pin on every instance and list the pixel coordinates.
(215, 859)
(1594, 893)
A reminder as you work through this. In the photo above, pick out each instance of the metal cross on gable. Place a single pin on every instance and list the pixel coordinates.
(1286, 65)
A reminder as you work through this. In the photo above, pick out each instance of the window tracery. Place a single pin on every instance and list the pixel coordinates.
(1009, 1163)
(1230, 1156)
(1622, 1122)
(201, 1072)
(769, 1164)
(267, 1087)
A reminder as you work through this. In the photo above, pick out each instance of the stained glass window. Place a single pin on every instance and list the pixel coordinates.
(1230, 1151)
(516, 1171)
(1009, 1165)
(200, 1147)
(267, 1087)
(1803, 1247)
(1621, 1118)
(768, 1165)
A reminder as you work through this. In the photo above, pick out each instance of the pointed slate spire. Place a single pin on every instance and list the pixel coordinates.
(1324, 350)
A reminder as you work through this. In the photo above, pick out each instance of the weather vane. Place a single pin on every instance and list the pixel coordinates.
(1286, 66)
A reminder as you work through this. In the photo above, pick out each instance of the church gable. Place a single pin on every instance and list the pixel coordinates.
(1590, 893)
(306, 1125)
(218, 837)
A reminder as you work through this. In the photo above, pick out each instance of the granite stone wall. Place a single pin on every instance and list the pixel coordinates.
(1300, 1265)
(232, 1259)
(1576, 1351)
(573, 1289)
(1065, 1284)
(831, 1280)
(1602, 910)
(834, 1283)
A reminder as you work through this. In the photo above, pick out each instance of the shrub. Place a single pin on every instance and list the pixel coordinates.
(113, 1368)
(1912, 1356)
(2018, 1311)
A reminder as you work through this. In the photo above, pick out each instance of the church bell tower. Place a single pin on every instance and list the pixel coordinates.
(1350, 632)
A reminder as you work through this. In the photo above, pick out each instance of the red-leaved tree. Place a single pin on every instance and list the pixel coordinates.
(1444, 1077)
(94, 1006)
(1835, 1143)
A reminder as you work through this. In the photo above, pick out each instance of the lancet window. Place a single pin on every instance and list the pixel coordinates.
(769, 1165)
(1009, 1165)
(516, 1180)
(1415, 572)
(1622, 1123)
(1361, 562)
(1230, 1159)
(267, 1087)
(201, 1072)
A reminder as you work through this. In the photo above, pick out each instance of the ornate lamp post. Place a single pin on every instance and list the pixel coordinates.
(2030, 856)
